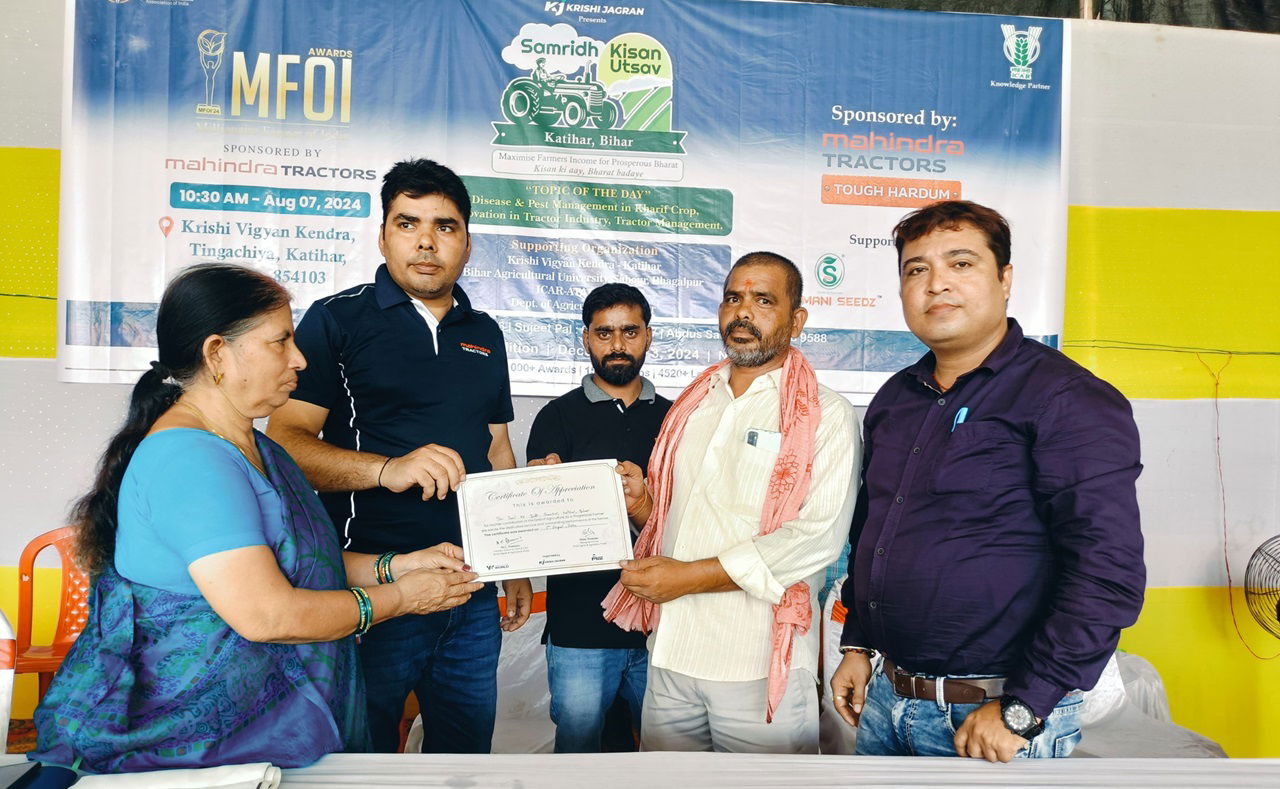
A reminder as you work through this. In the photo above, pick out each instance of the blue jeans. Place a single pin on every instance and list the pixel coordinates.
(449, 659)
(893, 726)
(584, 683)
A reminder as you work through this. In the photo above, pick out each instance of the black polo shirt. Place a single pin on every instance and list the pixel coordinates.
(372, 362)
(587, 424)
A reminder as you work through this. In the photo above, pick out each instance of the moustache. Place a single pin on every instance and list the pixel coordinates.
(743, 323)
(618, 356)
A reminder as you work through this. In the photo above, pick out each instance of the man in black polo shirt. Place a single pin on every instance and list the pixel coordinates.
(614, 414)
(409, 385)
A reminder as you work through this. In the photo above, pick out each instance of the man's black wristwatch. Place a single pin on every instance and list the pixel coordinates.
(1018, 717)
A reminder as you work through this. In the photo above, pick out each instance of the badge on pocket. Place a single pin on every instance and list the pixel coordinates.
(764, 439)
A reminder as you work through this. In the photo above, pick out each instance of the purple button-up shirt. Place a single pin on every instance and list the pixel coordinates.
(996, 530)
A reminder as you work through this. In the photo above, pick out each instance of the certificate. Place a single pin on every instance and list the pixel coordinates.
(544, 520)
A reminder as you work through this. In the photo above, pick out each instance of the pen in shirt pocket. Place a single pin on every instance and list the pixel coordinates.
(961, 415)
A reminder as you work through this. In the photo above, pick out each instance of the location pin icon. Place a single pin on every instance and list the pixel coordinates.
(166, 225)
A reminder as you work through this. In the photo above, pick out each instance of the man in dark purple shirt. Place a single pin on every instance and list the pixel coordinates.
(996, 552)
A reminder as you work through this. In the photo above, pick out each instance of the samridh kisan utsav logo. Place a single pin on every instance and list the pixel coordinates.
(1021, 48)
(578, 92)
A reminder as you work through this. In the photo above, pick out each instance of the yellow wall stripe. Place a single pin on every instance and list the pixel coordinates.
(48, 588)
(1215, 686)
(1174, 277)
(29, 251)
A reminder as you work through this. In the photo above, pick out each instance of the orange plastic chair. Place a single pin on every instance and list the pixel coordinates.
(73, 608)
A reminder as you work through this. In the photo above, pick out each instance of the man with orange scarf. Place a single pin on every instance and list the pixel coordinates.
(751, 488)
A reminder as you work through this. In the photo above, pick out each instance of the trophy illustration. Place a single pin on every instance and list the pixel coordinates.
(211, 43)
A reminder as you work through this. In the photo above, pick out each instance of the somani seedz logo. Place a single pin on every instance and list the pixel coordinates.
(1021, 48)
(829, 270)
(579, 92)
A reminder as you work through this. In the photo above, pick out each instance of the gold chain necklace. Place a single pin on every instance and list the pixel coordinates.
(205, 421)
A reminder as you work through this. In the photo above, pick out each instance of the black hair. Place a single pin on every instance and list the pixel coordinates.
(421, 177)
(954, 215)
(795, 282)
(612, 294)
(203, 300)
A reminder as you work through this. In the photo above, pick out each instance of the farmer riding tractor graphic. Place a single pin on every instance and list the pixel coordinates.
(550, 99)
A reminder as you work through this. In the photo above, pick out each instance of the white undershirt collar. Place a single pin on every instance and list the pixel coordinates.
(433, 323)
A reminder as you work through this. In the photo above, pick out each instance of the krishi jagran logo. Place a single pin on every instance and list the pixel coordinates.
(1021, 48)
(579, 92)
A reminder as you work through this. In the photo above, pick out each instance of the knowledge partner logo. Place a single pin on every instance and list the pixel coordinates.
(582, 93)
(1021, 48)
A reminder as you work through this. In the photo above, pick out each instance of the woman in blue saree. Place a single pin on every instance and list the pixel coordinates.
(223, 610)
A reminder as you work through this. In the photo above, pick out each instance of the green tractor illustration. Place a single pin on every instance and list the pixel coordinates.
(550, 99)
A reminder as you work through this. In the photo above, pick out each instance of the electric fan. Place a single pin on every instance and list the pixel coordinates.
(1262, 585)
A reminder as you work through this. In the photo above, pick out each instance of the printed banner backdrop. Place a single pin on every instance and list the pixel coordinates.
(648, 141)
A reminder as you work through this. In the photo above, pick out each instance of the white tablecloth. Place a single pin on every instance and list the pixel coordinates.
(742, 771)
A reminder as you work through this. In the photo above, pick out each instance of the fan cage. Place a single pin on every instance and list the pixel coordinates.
(1262, 585)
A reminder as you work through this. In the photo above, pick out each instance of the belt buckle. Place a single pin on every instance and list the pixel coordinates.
(917, 685)
(910, 682)
(897, 678)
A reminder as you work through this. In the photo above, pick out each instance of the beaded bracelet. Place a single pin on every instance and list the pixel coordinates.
(382, 567)
(868, 651)
(366, 610)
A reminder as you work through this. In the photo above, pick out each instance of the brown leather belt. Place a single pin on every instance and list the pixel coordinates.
(954, 691)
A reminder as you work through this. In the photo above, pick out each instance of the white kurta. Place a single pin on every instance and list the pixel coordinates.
(720, 485)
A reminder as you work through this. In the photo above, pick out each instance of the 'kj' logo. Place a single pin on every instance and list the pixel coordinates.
(211, 44)
(829, 271)
(555, 7)
(1021, 47)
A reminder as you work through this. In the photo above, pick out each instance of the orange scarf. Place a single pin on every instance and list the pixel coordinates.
(788, 485)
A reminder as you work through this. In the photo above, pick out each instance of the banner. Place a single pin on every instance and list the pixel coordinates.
(643, 141)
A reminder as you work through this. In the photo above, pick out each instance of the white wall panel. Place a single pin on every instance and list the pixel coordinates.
(31, 73)
(1174, 117)
(51, 435)
(1179, 494)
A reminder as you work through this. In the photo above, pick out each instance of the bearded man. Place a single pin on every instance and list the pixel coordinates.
(614, 414)
(751, 487)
